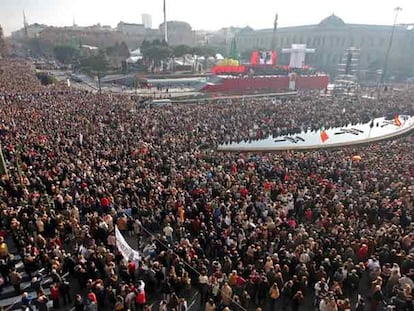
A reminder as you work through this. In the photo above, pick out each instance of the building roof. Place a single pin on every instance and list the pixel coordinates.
(246, 29)
(332, 21)
(282, 29)
(376, 27)
(180, 24)
(130, 24)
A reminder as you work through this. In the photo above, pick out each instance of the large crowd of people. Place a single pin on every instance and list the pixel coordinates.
(283, 231)
(17, 77)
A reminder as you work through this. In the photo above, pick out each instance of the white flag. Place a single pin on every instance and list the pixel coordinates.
(124, 248)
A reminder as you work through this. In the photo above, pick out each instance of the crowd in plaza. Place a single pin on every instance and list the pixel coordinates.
(247, 231)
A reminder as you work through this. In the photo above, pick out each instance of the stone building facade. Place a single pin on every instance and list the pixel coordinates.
(131, 29)
(178, 33)
(332, 37)
(99, 36)
(29, 31)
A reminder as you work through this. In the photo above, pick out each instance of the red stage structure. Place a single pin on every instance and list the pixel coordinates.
(263, 74)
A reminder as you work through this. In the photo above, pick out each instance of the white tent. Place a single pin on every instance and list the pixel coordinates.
(133, 59)
(136, 52)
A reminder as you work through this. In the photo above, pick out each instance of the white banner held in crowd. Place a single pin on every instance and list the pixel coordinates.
(124, 248)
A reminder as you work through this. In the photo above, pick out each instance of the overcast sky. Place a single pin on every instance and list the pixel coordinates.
(207, 14)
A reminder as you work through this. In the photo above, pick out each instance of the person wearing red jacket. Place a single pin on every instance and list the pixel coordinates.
(54, 294)
(131, 269)
(362, 253)
(141, 300)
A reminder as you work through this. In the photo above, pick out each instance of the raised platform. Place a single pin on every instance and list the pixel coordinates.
(225, 98)
(265, 83)
(374, 131)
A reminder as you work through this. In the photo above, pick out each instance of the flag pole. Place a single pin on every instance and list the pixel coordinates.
(3, 166)
(385, 67)
(19, 168)
(371, 125)
(165, 24)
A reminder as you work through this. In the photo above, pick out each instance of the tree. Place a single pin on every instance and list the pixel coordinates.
(159, 53)
(3, 46)
(95, 63)
(118, 50)
(154, 52)
(111, 50)
(123, 50)
(181, 51)
(145, 44)
(234, 51)
(206, 52)
(37, 47)
(159, 42)
(45, 79)
(65, 53)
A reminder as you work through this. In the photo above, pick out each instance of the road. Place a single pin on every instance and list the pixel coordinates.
(92, 85)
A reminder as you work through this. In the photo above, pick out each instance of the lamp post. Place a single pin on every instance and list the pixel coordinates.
(165, 22)
(384, 71)
(100, 87)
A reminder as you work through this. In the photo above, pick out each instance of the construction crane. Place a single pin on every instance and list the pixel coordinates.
(384, 70)
(273, 47)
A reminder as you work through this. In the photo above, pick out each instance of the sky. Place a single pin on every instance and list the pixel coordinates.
(207, 14)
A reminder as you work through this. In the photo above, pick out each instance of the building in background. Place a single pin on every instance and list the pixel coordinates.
(29, 31)
(146, 20)
(332, 37)
(179, 33)
(131, 29)
(224, 36)
(100, 36)
(92, 35)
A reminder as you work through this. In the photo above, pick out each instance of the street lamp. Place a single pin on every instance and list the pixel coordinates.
(384, 71)
(100, 87)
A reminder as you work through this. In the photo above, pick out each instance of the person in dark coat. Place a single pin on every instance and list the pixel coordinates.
(41, 301)
(65, 293)
(79, 305)
(287, 294)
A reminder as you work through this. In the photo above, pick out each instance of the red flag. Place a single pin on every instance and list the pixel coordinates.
(254, 60)
(274, 58)
(324, 135)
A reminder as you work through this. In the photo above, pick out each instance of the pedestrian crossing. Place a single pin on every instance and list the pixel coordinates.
(9, 299)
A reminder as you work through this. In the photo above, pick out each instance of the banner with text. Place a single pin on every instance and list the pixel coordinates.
(124, 248)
